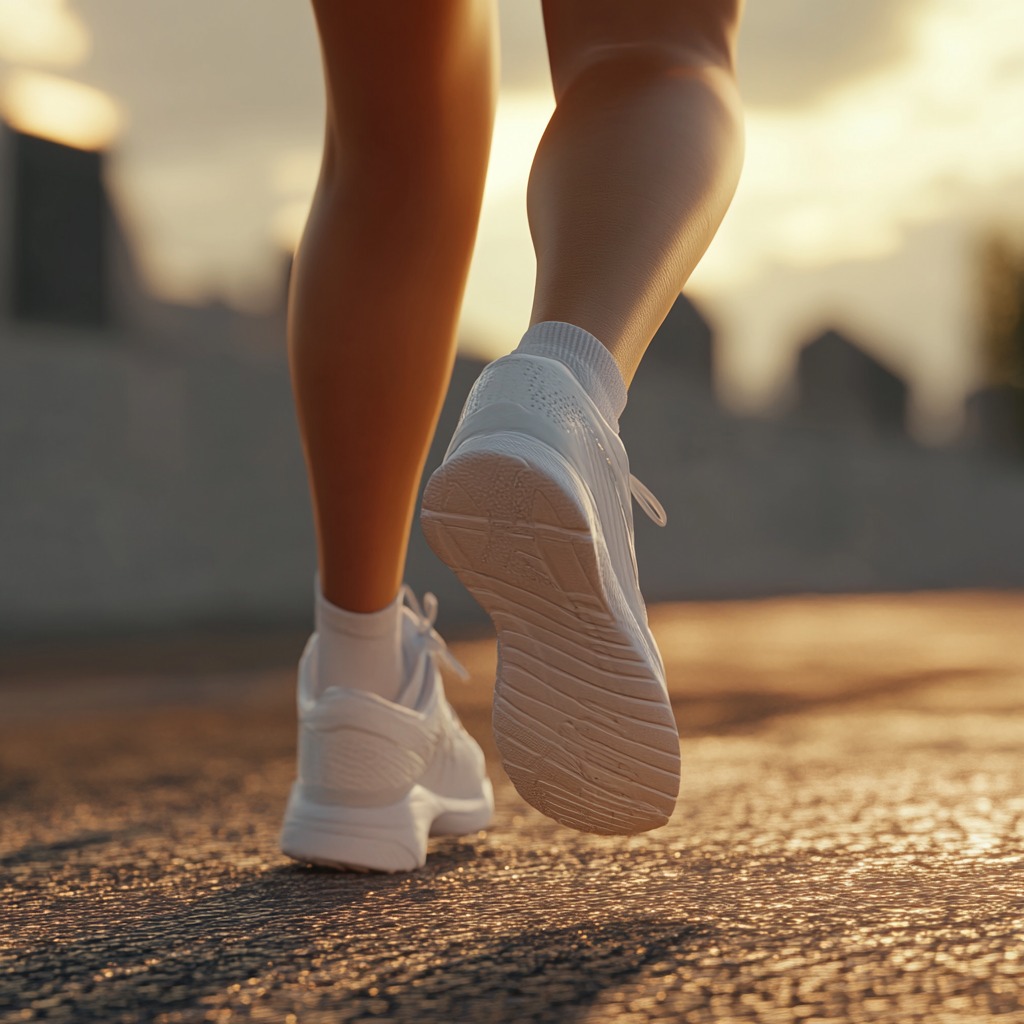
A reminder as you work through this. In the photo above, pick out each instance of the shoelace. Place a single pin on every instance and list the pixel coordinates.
(647, 501)
(431, 639)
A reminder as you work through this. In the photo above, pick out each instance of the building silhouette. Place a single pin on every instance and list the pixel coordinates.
(842, 387)
(994, 420)
(683, 346)
(59, 261)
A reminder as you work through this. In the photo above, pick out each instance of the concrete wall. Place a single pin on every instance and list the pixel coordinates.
(148, 484)
(142, 485)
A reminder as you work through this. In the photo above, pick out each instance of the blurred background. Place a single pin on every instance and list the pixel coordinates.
(836, 403)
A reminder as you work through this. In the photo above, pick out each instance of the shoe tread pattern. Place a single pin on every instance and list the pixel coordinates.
(581, 716)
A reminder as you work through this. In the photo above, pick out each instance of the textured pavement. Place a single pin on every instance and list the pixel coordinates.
(848, 845)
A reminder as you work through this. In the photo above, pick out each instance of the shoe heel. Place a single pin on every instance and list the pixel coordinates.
(464, 817)
(505, 510)
(391, 838)
(507, 478)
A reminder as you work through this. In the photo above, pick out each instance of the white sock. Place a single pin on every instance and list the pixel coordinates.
(591, 363)
(359, 650)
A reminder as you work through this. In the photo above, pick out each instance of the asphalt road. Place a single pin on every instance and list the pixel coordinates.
(848, 845)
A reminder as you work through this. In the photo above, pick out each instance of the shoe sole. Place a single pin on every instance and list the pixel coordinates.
(386, 839)
(584, 727)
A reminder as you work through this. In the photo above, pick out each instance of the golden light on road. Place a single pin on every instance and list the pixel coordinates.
(42, 32)
(61, 110)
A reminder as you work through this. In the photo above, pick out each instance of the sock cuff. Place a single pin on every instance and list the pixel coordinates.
(379, 623)
(588, 359)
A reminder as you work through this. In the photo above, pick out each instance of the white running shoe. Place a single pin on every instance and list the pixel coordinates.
(377, 778)
(531, 508)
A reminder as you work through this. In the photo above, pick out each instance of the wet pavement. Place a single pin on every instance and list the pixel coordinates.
(848, 845)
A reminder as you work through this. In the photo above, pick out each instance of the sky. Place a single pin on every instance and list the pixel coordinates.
(883, 139)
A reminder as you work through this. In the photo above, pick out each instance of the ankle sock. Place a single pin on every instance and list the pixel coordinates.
(359, 650)
(590, 362)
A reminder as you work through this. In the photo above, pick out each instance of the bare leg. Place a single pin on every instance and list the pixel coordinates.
(532, 507)
(638, 164)
(379, 275)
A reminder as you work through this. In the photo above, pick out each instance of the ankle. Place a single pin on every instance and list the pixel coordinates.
(359, 650)
(591, 363)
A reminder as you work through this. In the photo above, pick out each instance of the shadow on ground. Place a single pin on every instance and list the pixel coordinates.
(359, 946)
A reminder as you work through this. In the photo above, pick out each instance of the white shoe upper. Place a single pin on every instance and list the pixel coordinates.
(357, 749)
(541, 397)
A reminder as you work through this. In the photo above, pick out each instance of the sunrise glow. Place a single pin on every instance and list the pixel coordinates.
(42, 32)
(61, 110)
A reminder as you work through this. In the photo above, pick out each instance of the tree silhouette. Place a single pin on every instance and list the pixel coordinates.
(1002, 318)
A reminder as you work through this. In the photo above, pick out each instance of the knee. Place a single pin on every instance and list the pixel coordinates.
(659, 37)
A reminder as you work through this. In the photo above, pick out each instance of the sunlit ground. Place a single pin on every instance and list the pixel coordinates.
(846, 846)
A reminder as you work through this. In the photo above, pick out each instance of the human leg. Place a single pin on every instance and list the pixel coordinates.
(638, 164)
(379, 273)
(373, 306)
(532, 507)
